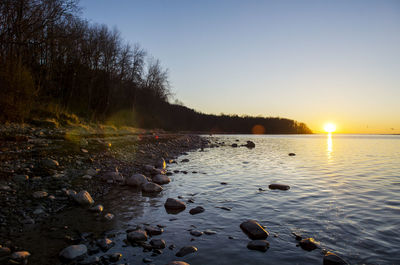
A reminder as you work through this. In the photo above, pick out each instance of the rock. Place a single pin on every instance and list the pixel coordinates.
(88, 177)
(105, 244)
(196, 233)
(4, 251)
(174, 205)
(185, 160)
(161, 164)
(39, 194)
(91, 172)
(97, 209)
(297, 236)
(70, 193)
(186, 250)
(20, 178)
(147, 260)
(254, 230)
(178, 263)
(137, 236)
(151, 187)
(20, 256)
(197, 210)
(261, 245)
(308, 244)
(234, 145)
(279, 187)
(38, 211)
(112, 176)
(154, 231)
(73, 252)
(333, 259)
(161, 179)
(83, 198)
(209, 232)
(50, 163)
(291, 154)
(250, 144)
(5, 188)
(157, 243)
(136, 180)
(115, 257)
(109, 216)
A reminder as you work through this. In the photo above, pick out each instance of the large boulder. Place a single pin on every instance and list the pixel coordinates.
(136, 180)
(83, 198)
(254, 230)
(161, 179)
(73, 252)
(151, 187)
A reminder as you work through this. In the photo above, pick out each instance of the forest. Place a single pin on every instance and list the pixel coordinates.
(53, 61)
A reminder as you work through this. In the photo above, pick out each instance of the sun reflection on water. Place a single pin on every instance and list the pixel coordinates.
(329, 145)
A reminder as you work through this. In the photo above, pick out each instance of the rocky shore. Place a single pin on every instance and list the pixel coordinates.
(46, 170)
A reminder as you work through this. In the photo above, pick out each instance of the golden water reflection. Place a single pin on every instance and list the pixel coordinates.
(329, 145)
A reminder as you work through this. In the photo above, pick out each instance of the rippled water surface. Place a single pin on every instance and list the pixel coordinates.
(345, 193)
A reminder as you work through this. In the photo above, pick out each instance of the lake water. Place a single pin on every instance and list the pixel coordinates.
(345, 193)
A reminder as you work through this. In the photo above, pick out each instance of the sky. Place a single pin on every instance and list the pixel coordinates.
(312, 61)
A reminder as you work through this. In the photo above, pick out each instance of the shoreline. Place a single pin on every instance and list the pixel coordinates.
(41, 168)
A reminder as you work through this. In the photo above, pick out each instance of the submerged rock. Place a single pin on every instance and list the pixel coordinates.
(196, 233)
(254, 230)
(261, 245)
(151, 187)
(279, 187)
(73, 252)
(83, 198)
(186, 250)
(333, 259)
(136, 180)
(308, 244)
(197, 210)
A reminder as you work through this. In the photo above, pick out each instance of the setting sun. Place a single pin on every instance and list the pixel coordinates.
(330, 127)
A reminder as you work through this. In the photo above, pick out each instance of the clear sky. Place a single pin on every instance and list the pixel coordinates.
(312, 61)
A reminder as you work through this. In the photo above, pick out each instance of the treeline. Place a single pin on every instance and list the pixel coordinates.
(49, 55)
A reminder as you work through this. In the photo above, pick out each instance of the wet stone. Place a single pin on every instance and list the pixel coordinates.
(254, 230)
(105, 244)
(154, 231)
(291, 154)
(151, 187)
(157, 243)
(197, 210)
(137, 236)
(174, 205)
(186, 250)
(196, 233)
(161, 179)
(50, 163)
(20, 256)
(115, 257)
(4, 251)
(308, 244)
(260, 245)
(73, 252)
(83, 198)
(333, 259)
(136, 180)
(109, 216)
(209, 232)
(39, 194)
(279, 187)
(97, 208)
(20, 178)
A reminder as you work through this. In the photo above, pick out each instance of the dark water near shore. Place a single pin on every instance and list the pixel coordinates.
(345, 193)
